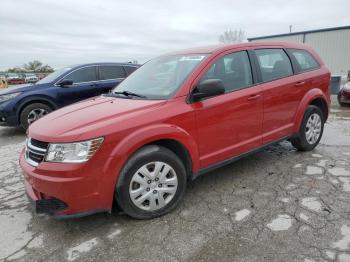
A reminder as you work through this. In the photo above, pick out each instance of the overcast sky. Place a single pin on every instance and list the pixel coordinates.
(64, 32)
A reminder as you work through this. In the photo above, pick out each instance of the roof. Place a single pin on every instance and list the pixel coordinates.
(301, 32)
(226, 47)
(103, 63)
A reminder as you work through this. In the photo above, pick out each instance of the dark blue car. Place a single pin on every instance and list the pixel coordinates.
(24, 104)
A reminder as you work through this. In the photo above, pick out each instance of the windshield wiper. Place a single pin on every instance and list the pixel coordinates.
(128, 93)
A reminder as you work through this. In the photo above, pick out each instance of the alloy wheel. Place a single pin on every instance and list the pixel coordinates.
(35, 114)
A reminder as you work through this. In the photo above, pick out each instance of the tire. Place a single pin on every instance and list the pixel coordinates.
(33, 112)
(302, 141)
(151, 193)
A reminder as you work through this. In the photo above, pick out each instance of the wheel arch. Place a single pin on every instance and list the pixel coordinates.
(314, 97)
(35, 99)
(172, 137)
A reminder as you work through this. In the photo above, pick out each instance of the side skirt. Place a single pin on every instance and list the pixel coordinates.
(234, 159)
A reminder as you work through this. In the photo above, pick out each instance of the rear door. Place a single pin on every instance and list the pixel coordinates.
(109, 77)
(282, 92)
(130, 69)
(229, 124)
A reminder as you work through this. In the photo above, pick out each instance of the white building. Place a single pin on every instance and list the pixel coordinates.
(332, 44)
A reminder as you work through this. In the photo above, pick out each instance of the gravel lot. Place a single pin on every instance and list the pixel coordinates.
(277, 205)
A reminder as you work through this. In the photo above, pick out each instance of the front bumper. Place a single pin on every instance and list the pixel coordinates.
(7, 118)
(344, 96)
(66, 190)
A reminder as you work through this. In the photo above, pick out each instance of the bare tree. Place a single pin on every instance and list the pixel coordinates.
(232, 36)
(33, 66)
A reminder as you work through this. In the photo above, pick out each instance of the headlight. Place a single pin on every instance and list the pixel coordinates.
(4, 98)
(73, 152)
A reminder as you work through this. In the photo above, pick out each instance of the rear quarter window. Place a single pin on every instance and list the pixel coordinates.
(304, 60)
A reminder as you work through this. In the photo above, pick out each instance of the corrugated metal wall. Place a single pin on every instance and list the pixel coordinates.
(332, 46)
(289, 38)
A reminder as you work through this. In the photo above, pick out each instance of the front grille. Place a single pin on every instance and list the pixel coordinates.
(39, 144)
(35, 151)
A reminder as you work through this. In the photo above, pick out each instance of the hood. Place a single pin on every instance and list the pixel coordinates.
(90, 118)
(18, 88)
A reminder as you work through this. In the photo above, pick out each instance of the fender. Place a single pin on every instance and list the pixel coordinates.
(147, 135)
(35, 99)
(305, 102)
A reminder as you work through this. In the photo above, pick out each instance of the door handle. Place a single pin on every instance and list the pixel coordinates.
(300, 83)
(253, 97)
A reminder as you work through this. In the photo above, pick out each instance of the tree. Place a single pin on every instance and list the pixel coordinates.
(34, 66)
(230, 37)
(46, 69)
(16, 70)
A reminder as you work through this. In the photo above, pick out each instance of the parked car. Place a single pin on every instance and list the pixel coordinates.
(15, 79)
(23, 105)
(177, 117)
(349, 75)
(344, 95)
(31, 78)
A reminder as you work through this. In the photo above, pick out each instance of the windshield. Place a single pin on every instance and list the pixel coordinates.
(51, 77)
(161, 77)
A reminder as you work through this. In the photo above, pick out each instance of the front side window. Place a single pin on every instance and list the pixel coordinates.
(53, 76)
(85, 74)
(274, 64)
(304, 59)
(111, 72)
(161, 77)
(234, 70)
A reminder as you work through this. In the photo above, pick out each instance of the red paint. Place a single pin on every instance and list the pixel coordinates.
(212, 130)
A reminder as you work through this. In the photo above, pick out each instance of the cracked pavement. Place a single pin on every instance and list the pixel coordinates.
(276, 205)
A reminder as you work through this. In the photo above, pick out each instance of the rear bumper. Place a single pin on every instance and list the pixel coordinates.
(64, 190)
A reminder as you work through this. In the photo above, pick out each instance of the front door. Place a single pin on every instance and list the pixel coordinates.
(229, 124)
(85, 85)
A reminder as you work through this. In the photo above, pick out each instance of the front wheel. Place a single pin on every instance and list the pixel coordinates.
(310, 131)
(152, 183)
(33, 112)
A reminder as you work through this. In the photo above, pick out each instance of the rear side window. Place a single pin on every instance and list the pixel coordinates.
(111, 72)
(129, 69)
(86, 74)
(273, 63)
(304, 59)
(234, 71)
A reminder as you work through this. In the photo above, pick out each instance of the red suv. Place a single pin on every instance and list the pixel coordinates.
(177, 117)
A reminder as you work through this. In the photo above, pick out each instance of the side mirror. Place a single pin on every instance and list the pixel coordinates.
(65, 83)
(208, 88)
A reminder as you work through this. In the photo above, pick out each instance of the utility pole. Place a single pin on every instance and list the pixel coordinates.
(290, 28)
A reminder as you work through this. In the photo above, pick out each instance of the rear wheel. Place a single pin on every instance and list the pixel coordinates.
(310, 131)
(33, 112)
(152, 183)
